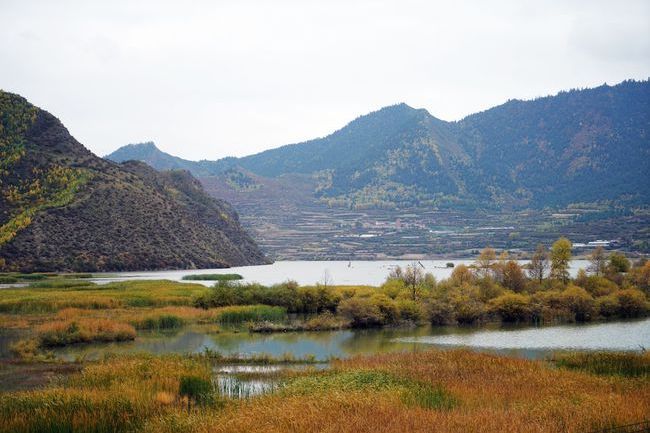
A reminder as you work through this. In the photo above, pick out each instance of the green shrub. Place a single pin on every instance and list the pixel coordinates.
(8, 280)
(410, 310)
(196, 388)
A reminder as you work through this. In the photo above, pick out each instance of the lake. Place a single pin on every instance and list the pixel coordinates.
(526, 342)
(311, 272)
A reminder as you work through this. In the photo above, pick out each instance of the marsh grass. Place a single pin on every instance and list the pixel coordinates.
(8, 280)
(450, 391)
(118, 394)
(32, 276)
(66, 332)
(628, 364)
(54, 295)
(240, 314)
(163, 321)
(322, 322)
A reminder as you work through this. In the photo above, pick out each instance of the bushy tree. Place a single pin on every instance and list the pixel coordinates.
(513, 277)
(560, 258)
(461, 275)
(618, 263)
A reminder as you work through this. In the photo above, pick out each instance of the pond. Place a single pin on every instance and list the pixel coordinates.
(527, 342)
(310, 272)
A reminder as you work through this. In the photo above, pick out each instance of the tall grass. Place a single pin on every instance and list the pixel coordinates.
(65, 332)
(250, 313)
(54, 295)
(607, 363)
(118, 394)
(157, 322)
(446, 391)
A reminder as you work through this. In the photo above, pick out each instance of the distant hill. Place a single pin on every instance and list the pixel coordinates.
(63, 208)
(578, 146)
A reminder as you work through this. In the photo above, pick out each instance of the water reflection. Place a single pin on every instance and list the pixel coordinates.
(518, 341)
(629, 335)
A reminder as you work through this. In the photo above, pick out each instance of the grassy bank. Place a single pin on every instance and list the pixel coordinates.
(450, 391)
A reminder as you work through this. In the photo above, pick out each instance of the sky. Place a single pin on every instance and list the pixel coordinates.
(208, 79)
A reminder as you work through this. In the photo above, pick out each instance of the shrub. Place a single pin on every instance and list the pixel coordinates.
(597, 286)
(387, 308)
(579, 302)
(512, 307)
(325, 322)
(440, 312)
(632, 303)
(8, 280)
(410, 310)
(362, 312)
(467, 304)
(608, 306)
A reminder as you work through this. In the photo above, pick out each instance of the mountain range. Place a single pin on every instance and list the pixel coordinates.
(63, 208)
(579, 146)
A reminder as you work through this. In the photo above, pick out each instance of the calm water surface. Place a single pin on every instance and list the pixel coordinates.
(527, 342)
(310, 272)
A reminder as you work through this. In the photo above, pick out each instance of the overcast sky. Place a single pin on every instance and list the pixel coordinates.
(207, 79)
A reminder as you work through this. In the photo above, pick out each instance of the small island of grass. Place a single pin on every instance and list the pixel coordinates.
(213, 277)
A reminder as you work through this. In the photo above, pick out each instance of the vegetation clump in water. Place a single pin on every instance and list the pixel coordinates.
(213, 277)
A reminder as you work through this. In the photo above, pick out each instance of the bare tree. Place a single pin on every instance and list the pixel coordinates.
(413, 276)
(485, 261)
(327, 278)
(539, 263)
(597, 261)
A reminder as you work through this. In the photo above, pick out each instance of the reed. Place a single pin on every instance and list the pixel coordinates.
(250, 313)
(446, 391)
(65, 332)
(628, 364)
